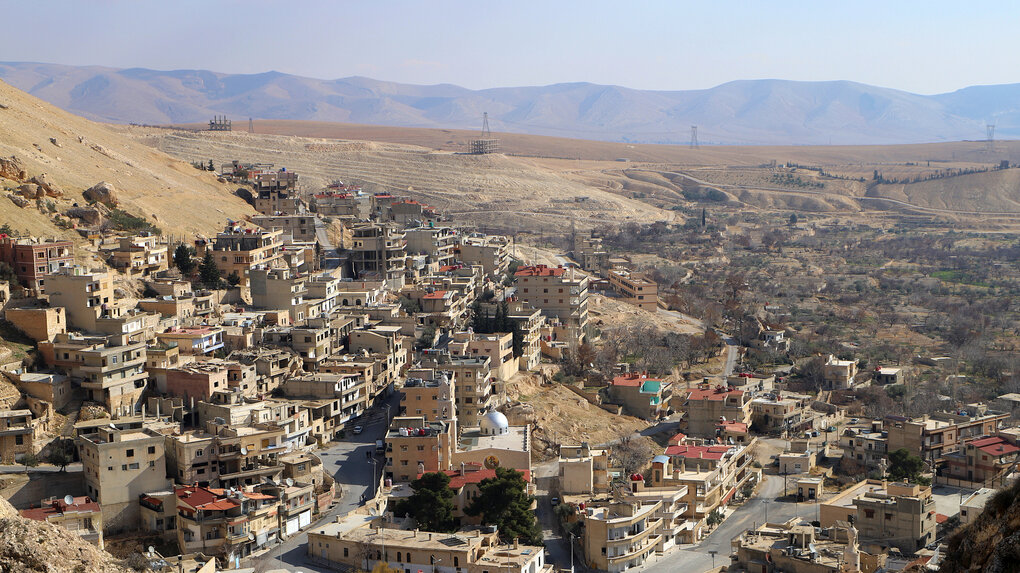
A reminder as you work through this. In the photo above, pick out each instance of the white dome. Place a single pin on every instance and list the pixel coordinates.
(494, 423)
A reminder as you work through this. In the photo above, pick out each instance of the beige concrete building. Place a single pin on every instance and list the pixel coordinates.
(140, 256)
(797, 548)
(635, 288)
(414, 446)
(583, 470)
(119, 466)
(111, 375)
(640, 395)
(241, 250)
(498, 347)
(18, 433)
(974, 504)
(561, 294)
(378, 253)
(300, 228)
(705, 406)
(39, 324)
(622, 535)
(85, 296)
(932, 437)
(195, 340)
(361, 543)
(839, 374)
(897, 514)
(53, 388)
(32, 259)
(490, 251)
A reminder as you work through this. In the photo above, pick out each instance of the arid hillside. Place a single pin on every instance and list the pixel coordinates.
(494, 191)
(76, 154)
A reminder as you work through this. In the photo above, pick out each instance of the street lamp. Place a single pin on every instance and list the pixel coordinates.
(712, 552)
(434, 563)
(766, 503)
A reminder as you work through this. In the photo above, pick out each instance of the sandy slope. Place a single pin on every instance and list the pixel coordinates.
(149, 183)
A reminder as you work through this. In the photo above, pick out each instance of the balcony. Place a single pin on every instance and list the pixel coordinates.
(634, 551)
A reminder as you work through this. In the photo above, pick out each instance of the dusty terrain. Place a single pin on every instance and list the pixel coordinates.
(76, 154)
(491, 191)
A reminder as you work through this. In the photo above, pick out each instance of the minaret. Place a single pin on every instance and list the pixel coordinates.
(851, 555)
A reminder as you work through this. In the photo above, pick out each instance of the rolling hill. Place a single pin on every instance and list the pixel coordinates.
(76, 154)
(755, 112)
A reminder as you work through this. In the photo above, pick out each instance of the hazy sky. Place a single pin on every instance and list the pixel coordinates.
(924, 47)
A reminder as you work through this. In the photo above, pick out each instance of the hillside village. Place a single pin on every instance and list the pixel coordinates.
(347, 375)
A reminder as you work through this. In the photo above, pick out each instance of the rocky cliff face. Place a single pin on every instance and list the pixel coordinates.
(28, 546)
(991, 543)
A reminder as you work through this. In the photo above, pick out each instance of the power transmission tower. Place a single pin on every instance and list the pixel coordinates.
(990, 137)
(485, 144)
(486, 134)
(251, 126)
(694, 137)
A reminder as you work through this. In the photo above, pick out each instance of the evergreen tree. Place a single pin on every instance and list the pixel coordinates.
(211, 168)
(431, 503)
(704, 216)
(183, 259)
(505, 324)
(477, 319)
(503, 501)
(518, 341)
(499, 321)
(208, 272)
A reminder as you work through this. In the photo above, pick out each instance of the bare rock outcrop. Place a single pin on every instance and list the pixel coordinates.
(102, 192)
(48, 185)
(12, 168)
(89, 216)
(31, 191)
(18, 200)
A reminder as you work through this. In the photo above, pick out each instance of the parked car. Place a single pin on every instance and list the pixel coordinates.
(358, 429)
(554, 501)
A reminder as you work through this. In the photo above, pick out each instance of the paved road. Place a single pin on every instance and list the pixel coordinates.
(353, 472)
(696, 558)
(42, 469)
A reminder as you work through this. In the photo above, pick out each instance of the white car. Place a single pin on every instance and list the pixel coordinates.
(358, 429)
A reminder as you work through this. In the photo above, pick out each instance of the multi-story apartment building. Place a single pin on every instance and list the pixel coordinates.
(803, 549)
(299, 228)
(864, 447)
(225, 524)
(331, 400)
(49, 387)
(476, 390)
(583, 470)
(241, 250)
(339, 200)
(111, 375)
(778, 412)
(640, 395)
(82, 516)
(225, 456)
(140, 255)
(33, 259)
(85, 296)
(278, 289)
(984, 460)
(415, 446)
(589, 252)
(634, 288)
(492, 252)
(378, 252)
(276, 192)
(118, 466)
(436, 243)
(897, 514)
(197, 380)
(367, 545)
(932, 437)
(621, 535)
(498, 347)
(529, 322)
(706, 405)
(561, 295)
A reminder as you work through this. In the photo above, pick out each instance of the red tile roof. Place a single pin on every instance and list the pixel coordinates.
(204, 498)
(632, 379)
(677, 439)
(435, 295)
(995, 446)
(717, 393)
(82, 504)
(698, 452)
(733, 426)
(539, 271)
(458, 481)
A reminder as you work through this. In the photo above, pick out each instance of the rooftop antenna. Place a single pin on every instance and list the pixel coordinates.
(694, 137)
(990, 137)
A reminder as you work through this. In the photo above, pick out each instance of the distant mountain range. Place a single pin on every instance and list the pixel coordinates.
(770, 112)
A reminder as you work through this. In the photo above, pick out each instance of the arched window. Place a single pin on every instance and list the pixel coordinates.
(345, 302)
(456, 561)
(398, 556)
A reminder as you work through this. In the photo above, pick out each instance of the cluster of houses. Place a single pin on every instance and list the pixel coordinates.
(200, 406)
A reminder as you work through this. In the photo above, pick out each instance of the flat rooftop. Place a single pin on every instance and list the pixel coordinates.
(514, 440)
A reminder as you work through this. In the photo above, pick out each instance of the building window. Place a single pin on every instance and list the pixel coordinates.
(152, 449)
(19, 440)
(130, 453)
(869, 513)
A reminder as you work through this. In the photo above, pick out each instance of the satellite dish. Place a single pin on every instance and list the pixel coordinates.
(69, 499)
(244, 451)
(152, 551)
(251, 536)
(290, 482)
